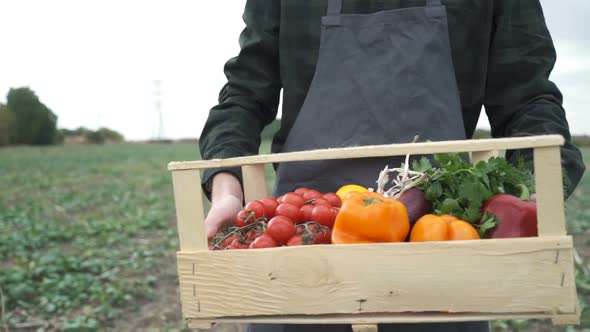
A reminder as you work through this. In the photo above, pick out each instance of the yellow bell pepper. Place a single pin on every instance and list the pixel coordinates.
(344, 190)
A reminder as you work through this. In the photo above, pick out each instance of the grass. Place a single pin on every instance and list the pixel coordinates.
(84, 231)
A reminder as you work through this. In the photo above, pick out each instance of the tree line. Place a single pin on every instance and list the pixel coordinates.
(25, 120)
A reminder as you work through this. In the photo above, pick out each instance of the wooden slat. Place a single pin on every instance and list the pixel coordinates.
(188, 197)
(365, 328)
(254, 178)
(549, 187)
(379, 151)
(381, 318)
(492, 276)
(478, 156)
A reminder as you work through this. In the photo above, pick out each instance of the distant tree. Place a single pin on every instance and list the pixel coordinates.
(7, 126)
(35, 123)
(94, 137)
(110, 135)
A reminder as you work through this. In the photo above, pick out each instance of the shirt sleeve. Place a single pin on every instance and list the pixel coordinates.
(249, 100)
(520, 99)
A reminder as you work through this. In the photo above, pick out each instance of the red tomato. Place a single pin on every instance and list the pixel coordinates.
(281, 229)
(322, 234)
(321, 201)
(333, 199)
(245, 218)
(293, 198)
(323, 215)
(263, 241)
(306, 212)
(270, 205)
(301, 191)
(311, 194)
(299, 229)
(257, 207)
(251, 235)
(228, 241)
(237, 244)
(295, 241)
(288, 210)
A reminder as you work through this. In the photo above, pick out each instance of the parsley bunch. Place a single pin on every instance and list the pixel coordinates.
(459, 188)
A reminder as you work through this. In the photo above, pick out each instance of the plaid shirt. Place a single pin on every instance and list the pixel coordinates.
(501, 49)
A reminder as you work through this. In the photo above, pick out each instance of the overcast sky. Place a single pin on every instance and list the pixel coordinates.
(93, 62)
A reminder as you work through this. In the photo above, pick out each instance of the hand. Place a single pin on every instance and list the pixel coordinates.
(226, 202)
(222, 214)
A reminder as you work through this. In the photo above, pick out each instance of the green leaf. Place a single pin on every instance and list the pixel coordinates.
(450, 206)
(488, 222)
(434, 191)
(422, 165)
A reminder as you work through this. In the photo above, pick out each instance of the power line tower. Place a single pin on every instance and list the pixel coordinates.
(159, 134)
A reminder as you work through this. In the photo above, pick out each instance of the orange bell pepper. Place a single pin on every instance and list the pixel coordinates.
(370, 217)
(445, 227)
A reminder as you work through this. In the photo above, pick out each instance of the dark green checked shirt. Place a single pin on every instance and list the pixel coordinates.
(501, 49)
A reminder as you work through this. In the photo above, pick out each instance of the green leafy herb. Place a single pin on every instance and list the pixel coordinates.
(457, 187)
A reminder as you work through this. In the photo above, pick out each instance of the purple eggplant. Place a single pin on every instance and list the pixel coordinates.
(416, 204)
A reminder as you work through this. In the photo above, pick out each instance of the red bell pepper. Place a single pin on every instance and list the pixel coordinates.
(515, 216)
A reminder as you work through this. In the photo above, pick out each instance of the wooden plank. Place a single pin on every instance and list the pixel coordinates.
(379, 151)
(382, 318)
(254, 178)
(364, 328)
(188, 197)
(478, 156)
(493, 275)
(549, 191)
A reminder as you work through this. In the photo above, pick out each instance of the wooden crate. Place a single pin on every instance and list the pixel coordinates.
(377, 283)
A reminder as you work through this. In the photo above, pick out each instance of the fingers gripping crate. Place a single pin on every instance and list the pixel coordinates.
(364, 284)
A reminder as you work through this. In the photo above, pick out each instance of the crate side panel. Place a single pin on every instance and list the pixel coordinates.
(379, 318)
(495, 276)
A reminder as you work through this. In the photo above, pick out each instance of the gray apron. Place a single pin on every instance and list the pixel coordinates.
(380, 78)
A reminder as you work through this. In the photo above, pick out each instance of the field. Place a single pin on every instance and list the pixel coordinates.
(88, 237)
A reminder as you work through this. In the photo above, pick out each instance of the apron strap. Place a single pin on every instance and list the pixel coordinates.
(335, 6)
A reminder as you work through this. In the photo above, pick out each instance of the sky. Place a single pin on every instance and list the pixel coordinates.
(94, 62)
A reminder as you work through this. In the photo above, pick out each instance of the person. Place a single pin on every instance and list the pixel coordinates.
(364, 72)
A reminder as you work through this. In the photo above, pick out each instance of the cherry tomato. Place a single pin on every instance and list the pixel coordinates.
(295, 241)
(333, 199)
(263, 241)
(321, 201)
(322, 234)
(237, 244)
(311, 194)
(228, 241)
(270, 205)
(324, 215)
(288, 210)
(301, 191)
(281, 229)
(245, 218)
(299, 229)
(306, 212)
(294, 199)
(251, 235)
(257, 207)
